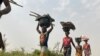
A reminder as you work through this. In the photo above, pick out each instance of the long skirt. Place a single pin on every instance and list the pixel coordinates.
(67, 51)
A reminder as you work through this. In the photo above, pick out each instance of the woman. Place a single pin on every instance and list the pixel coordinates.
(44, 36)
(67, 41)
(7, 9)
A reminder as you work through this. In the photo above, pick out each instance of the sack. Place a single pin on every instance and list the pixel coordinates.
(45, 20)
(66, 42)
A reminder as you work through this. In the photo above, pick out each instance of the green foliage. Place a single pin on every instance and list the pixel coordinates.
(21, 53)
(36, 53)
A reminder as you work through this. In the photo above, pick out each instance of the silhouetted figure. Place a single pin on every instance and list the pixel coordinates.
(44, 36)
(44, 21)
(13, 2)
(2, 46)
(67, 40)
(5, 10)
(78, 47)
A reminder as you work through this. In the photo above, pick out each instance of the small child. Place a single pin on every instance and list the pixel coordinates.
(78, 47)
(86, 48)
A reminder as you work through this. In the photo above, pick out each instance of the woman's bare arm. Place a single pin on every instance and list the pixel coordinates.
(73, 43)
(38, 29)
(61, 48)
(50, 28)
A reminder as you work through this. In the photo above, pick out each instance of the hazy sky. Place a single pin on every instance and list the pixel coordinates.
(20, 28)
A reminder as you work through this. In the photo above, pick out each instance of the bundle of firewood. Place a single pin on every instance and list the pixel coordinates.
(43, 20)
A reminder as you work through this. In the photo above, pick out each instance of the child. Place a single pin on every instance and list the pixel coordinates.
(67, 40)
(86, 48)
(78, 47)
(7, 9)
(44, 35)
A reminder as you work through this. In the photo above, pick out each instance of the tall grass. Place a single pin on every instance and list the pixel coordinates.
(21, 53)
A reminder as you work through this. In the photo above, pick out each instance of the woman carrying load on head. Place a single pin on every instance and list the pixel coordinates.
(44, 36)
(67, 40)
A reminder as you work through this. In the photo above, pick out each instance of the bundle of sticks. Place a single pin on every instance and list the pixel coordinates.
(43, 20)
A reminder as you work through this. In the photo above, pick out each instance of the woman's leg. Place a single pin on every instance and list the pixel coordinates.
(69, 51)
(65, 52)
(43, 51)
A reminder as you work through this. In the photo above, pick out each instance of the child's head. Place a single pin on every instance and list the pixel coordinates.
(78, 40)
(86, 40)
(44, 29)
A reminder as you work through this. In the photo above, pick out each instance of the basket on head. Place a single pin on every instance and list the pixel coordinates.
(84, 37)
(68, 25)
